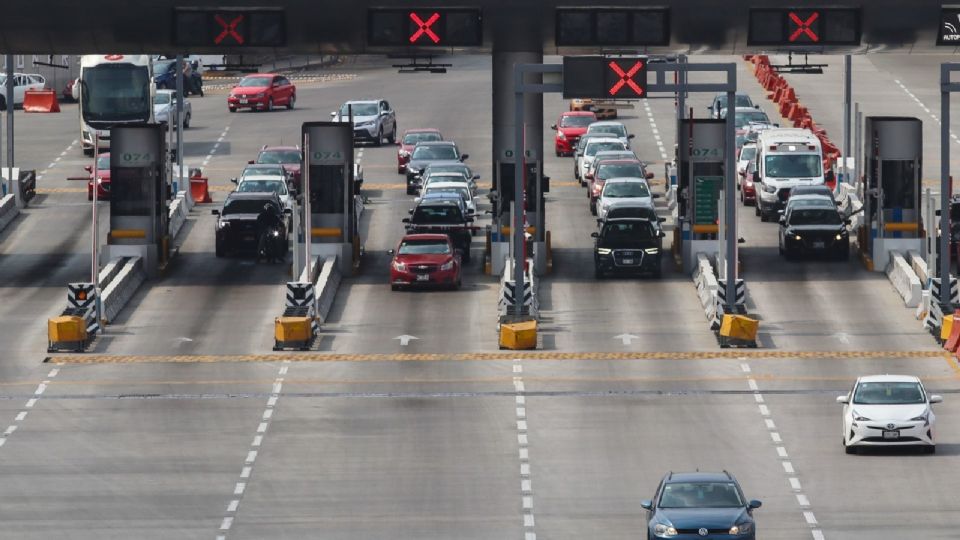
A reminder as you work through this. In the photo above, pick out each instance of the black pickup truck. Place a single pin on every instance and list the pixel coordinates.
(444, 215)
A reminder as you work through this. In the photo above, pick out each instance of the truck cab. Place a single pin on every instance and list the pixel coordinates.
(786, 158)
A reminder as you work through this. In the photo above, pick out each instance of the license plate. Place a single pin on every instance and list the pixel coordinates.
(818, 245)
(243, 102)
(423, 277)
(628, 261)
(891, 434)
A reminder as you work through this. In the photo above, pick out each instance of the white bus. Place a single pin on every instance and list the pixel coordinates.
(786, 157)
(114, 89)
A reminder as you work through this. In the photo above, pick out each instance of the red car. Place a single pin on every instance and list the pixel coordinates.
(288, 156)
(262, 91)
(410, 139)
(748, 192)
(570, 127)
(103, 172)
(425, 259)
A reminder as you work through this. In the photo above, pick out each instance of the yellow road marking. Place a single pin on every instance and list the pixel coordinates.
(62, 190)
(384, 186)
(495, 356)
(221, 187)
(952, 362)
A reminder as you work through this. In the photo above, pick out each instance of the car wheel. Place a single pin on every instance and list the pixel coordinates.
(3, 103)
(393, 134)
(597, 273)
(292, 102)
(379, 140)
(658, 272)
(186, 121)
(269, 105)
(593, 207)
(220, 252)
(849, 450)
(232, 109)
(756, 209)
(780, 247)
(394, 287)
(558, 153)
(932, 449)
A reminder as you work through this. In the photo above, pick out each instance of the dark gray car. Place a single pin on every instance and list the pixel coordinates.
(428, 152)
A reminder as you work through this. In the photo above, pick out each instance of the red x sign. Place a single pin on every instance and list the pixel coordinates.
(626, 77)
(423, 27)
(803, 26)
(229, 29)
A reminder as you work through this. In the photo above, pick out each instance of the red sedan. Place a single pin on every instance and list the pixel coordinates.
(423, 260)
(103, 174)
(410, 139)
(570, 127)
(748, 192)
(288, 156)
(262, 91)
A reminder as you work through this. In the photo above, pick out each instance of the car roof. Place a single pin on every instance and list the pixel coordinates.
(253, 195)
(626, 179)
(260, 75)
(446, 162)
(426, 236)
(422, 130)
(436, 143)
(442, 199)
(448, 184)
(605, 138)
(619, 161)
(273, 177)
(607, 123)
(816, 197)
(889, 378)
(577, 113)
(699, 477)
(747, 109)
(266, 148)
(352, 101)
(632, 203)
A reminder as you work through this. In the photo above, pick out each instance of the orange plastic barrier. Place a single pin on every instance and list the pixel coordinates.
(200, 190)
(953, 342)
(43, 101)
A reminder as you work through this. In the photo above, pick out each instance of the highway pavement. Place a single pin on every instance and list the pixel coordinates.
(172, 427)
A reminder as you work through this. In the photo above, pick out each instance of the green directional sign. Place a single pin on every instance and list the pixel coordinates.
(706, 198)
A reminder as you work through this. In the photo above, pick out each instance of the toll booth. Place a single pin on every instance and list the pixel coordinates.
(536, 186)
(893, 154)
(328, 164)
(700, 177)
(138, 195)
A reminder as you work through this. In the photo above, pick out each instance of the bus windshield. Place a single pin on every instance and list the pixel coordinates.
(792, 166)
(116, 93)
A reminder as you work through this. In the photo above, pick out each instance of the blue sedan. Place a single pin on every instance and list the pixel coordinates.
(705, 506)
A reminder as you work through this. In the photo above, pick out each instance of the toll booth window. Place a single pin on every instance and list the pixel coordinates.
(327, 183)
(131, 191)
(899, 184)
(792, 166)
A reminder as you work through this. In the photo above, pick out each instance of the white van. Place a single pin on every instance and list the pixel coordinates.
(786, 157)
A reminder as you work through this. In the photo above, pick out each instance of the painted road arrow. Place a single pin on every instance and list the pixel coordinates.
(405, 339)
(626, 338)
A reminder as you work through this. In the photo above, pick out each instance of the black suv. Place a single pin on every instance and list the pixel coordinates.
(428, 152)
(812, 224)
(443, 215)
(237, 225)
(698, 505)
(628, 246)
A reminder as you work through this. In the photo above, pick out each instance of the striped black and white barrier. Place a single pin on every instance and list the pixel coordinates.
(82, 302)
(510, 298)
(934, 319)
(302, 295)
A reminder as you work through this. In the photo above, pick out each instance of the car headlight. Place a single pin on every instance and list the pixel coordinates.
(925, 418)
(99, 179)
(404, 153)
(651, 251)
(858, 417)
(839, 237)
(797, 237)
(399, 266)
(561, 136)
(447, 266)
(276, 233)
(604, 251)
(368, 123)
(223, 224)
(769, 188)
(664, 531)
(742, 528)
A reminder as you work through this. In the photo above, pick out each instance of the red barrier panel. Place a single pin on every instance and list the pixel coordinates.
(953, 342)
(199, 190)
(42, 101)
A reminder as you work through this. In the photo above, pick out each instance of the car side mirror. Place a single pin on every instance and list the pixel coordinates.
(654, 195)
(663, 234)
(754, 504)
(648, 505)
(464, 157)
(405, 220)
(468, 219)
(588, 176)
(599, 221)
(234, 180)
(631, 136)
(333, 113)
(757, 107)
(215, 212)
(595, 234)
(416, 199)
(843, 399)
(554, 126)
(741, 240)
(847, 221)
(410, 211)
(756, 177)
(288, 211)
(776, 125)
(476, 177)
(661, 220)
(783, 220)
(250, 162)
(936, 399)
(88, 168)
(649, 175)
(390, 252)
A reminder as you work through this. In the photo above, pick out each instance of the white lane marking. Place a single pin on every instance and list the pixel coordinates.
(802, 500)
(745, 368)
(248, 463)
(20, 416)
(654, 129)
(523, 453)
(53, 373)
(10, 430)
(31, 402)
(925, 108)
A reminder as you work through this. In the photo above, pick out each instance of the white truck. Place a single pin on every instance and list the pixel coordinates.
(786, 158)
(114, 89)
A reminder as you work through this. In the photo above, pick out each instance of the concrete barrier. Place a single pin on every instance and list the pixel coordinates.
(177, 215)
(122, 287)
(904, 280)
(8, 210)
(919, 265)
(327, 285)
(706, 282)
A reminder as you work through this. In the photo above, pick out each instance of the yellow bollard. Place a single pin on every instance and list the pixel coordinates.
(739, 327)
(518, 335)
(946, 328)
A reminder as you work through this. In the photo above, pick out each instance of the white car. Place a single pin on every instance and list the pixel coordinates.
(267, 183)
(622, 191)
(447, 177)
(459, 187)
(21, 83)
(593, 146)
(747, 154)
(613, 129)
(165, 108)
(888, 410)
(373, 120)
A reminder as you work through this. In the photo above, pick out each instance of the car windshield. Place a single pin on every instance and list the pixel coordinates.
(423, 247)
(266, 168)
(626, 170)
(359, 109)
(162, 98)
(248, 82)
(103, 163)
(815, 216)
(260, 186)
(428, 214)
(792, 166)
(613, 129)
(743, 118)
(700, 495)
(748, 153)
(414, 138)
(742, 100)
(461, 169)
(626, 189)
(243, 206)
(593, 148)
(279, 156)
(435, 152)
(462, 191)
(888, 393)
(628, 230)
(576, 121)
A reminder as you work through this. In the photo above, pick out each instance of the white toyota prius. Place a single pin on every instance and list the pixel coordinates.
(888, 410)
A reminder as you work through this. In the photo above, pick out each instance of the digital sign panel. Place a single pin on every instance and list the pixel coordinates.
(804, 26)
(612, 26)
(229, 28)
(949, 33)
(605, 77)
(425, 27)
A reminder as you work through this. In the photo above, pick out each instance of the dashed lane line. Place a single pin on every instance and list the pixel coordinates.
(28, 406)
(523, 444)
(654, 129)
(56, 161)
(240, 487)
(925, 108)
(494, 356)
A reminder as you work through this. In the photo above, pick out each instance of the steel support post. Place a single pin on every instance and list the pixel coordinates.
(10, 133)
(730, 187)
(307, 210)
(847, 93)
(180, 97)
(946, 88)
